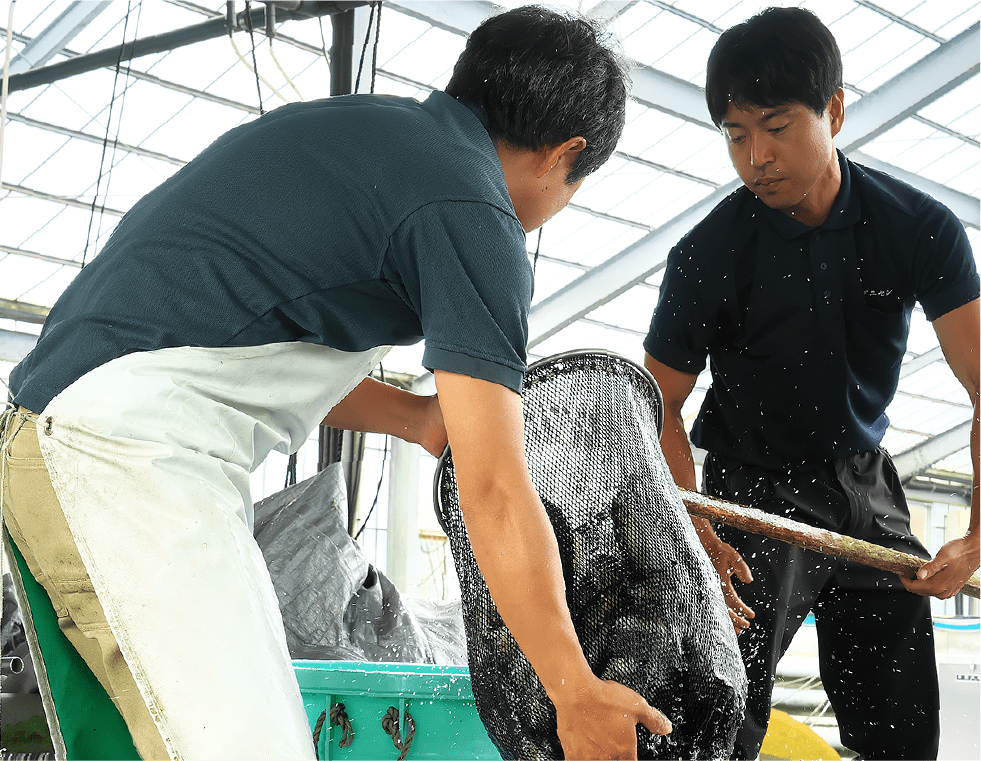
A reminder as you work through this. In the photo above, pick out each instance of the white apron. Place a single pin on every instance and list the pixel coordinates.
(150, 456)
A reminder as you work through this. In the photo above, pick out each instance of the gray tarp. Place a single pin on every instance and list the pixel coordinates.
(335, 605)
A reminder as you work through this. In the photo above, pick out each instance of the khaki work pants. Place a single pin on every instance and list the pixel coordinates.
(37, 526)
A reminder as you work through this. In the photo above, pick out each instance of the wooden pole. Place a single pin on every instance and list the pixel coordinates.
(800, 534)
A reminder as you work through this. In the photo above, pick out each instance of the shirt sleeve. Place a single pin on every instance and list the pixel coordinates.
(681, 328)
(945, 273)
(465, 271)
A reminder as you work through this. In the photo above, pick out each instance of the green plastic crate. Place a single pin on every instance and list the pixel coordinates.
(438, 698)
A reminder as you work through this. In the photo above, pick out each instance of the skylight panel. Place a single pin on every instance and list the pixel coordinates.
(685, 58)
(710, 161)
(618, 238)
(854, 30)
(646, 127)
(829, 11)
(189, 130)
(883, 54)
(399, 32)
(20, 219)
(894, 62)
(139, 113)
(958, 462)
(89, 92)
(932, 418)
(685, 149)
(417, 61)
(957, 169)
(67, 171)
(610, 194)
(636, 33)
(552, 276)
(946, 19)
(64, 231)
(24, 273)
(720, 15)
(659, 34)
(896, 441)
(936, 381)
(24, 148)
(631, 310)
(677, 196)
(958, 109)
(585, 240)
(892, 145)
(920, 149)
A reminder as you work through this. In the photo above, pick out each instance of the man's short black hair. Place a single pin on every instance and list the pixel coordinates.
(779, 56)
(543, 77)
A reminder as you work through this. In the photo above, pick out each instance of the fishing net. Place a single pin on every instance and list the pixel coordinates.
(645, 600)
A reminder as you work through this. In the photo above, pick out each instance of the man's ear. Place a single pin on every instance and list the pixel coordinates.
(562, 153)
(836, 110)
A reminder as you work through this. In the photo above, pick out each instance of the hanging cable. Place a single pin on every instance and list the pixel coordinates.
(374, 502)
(374, 50)
(253, 68)
(105, 140)
(255, 65)
(258, 76)
(6, 75)
(283, 71)
(364, 48)
(538, 246)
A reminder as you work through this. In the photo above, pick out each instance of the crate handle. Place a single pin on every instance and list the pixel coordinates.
(390, 723)
(338, 717)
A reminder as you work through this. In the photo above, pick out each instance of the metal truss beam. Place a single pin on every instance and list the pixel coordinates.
(162, 43)
(922, 83)
(56, 36)
(11, 309)
(917, 459)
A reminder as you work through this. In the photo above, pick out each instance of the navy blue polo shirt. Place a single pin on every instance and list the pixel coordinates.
(805, 328)
(352, 222)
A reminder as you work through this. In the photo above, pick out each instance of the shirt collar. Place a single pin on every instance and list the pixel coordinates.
(844, 212)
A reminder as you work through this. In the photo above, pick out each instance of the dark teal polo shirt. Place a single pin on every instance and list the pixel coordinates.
(351, 222)
(805, 328)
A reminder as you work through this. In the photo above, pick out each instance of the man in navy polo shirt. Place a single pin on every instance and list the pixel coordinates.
(798, 287)
(244, 301)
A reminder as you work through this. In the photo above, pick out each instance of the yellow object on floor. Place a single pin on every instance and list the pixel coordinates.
(787, 738)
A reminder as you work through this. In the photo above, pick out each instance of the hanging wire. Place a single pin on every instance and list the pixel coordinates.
(105, 140)
(374, 50)
(381, 478)
(258, 76)
(364, 47)
(538, 246)
(255, 65)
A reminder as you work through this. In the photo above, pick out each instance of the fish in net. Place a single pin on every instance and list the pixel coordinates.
(644, 598)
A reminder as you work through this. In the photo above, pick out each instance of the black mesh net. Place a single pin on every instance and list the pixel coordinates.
(644, 598)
